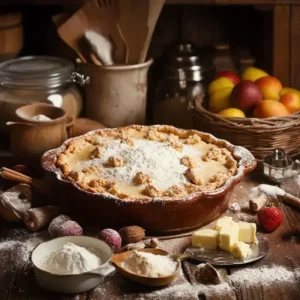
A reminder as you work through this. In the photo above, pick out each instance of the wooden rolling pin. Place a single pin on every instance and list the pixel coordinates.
(291, 200)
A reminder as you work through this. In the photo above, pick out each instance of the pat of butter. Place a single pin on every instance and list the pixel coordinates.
(228, 236)
(247, 232)
(223, 222)
(241, 250)
(206, 238)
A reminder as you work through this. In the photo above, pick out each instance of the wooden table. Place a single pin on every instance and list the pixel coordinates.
(277, 278)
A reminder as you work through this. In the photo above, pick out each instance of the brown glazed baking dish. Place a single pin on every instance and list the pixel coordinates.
(157, 216)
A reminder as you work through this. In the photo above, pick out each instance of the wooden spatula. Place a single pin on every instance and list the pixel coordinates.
(155, 8)
(133, 16)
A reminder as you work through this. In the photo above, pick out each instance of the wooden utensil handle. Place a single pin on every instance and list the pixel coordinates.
(292, 200)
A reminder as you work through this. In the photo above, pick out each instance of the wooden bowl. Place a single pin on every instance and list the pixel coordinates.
(157, 216)
(117, 260)
(30, 139)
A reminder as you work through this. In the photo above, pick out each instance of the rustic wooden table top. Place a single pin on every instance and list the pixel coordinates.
(275, 277)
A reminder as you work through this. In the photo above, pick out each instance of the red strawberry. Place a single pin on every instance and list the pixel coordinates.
(270, 218)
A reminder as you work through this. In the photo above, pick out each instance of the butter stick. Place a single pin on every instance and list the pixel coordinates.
(206, 238)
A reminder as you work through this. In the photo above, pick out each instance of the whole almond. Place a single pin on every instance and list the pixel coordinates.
(132, 234)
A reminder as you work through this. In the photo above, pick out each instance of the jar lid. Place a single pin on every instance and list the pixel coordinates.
(184, 62)
(36, 72)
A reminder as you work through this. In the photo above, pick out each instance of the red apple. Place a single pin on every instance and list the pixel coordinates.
(230, 75)
(245, 96)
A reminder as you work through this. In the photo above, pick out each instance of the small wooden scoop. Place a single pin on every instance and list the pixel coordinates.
(117, 259)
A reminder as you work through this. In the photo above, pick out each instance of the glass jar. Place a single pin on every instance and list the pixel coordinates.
(33, 79)
(186, 74)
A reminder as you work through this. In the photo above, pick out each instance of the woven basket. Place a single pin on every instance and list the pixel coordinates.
(260, 136)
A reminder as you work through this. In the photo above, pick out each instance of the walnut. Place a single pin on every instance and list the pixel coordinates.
(75, 176)
(132, 234)
(194, 176)
(128, 141)
(141, 178)
(214, 153)
(97, 152)
(173, 138)
(175, 191)
(151, 191)
(188, 161)
(115, 161)
(193, 139)
(177, 146)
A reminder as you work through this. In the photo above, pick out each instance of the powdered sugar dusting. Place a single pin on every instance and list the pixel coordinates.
(188, 291)
(158, 159)
(262, 276)
(20, 243)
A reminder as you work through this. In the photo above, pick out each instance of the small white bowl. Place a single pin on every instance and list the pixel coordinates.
(74, 283)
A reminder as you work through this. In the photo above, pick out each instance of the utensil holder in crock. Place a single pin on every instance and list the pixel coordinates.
(29, 139)
(116, 95)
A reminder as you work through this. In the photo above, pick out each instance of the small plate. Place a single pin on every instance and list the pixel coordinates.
(218, 257)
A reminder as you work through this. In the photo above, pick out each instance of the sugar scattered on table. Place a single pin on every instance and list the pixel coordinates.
(262, 276)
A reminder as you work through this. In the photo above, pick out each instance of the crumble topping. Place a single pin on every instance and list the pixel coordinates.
(188, 161)
(115, 161)
(97, 152)
(152, 191)
(141, 178)
(142, 162)
(193, 139)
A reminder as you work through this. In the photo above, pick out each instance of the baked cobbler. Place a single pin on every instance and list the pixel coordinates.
(142, 162)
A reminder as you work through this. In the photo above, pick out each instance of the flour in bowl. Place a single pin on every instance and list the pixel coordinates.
(148, 264)
(71, 259)
(41, 118)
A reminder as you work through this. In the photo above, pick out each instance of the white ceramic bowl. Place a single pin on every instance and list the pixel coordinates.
(75, 283)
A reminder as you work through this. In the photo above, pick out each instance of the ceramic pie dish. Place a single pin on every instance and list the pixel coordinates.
(165, 179)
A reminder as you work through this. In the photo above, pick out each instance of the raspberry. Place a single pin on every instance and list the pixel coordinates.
(112, 238)
(56, 223)
(69, 228)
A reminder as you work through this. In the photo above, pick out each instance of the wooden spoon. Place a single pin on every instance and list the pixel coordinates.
(118, 258)
(155, 8)
(133, 16)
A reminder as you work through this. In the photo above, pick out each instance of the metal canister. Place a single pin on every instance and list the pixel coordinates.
(186, 74)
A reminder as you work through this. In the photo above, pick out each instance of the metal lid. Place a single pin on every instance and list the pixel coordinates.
(184, 62)
(36, 72)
